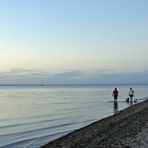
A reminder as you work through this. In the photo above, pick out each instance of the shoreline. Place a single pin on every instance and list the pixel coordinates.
(119, 130)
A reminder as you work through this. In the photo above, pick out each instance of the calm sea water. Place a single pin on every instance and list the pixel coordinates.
(31, 116)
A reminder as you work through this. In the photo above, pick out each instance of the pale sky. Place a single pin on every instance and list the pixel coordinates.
(40, 40)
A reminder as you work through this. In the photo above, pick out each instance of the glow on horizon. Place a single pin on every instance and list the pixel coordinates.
(79, 35)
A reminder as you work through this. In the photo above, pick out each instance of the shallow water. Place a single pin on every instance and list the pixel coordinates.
(31, 116)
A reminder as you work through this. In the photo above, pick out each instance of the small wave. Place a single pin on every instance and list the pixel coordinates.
(89, 120)
(29, 142)
(38, 130)
(38, 116)
(6, 119)
(146, 98)
(30, 123)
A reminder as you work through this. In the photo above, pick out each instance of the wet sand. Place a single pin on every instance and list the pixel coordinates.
(128, 128)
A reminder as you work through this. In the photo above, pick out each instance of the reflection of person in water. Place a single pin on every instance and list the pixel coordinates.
(115, 107)
(129, 103)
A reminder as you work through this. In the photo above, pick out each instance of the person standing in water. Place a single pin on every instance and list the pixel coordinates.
(131, 94)
(115, 94)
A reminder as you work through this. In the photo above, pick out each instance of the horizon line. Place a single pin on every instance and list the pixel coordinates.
(42, 84)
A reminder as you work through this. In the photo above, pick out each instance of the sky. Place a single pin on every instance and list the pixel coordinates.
(73, 41)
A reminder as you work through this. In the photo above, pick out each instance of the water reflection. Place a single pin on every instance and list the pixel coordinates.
(129, 103)
(116, 107)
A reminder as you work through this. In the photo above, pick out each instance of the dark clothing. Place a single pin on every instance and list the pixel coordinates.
(115, 94)
(115, 97)
(131, 96)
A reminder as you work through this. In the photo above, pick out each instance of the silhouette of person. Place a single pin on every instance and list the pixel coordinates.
(115, 94)
(131, 94)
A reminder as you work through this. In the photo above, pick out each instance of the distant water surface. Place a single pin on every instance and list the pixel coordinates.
(31, 116)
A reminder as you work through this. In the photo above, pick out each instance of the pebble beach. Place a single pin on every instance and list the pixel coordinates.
(126, 129)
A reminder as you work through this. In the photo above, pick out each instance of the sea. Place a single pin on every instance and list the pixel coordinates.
(33, 115)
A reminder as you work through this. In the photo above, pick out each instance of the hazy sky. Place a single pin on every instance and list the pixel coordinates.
(64, 41)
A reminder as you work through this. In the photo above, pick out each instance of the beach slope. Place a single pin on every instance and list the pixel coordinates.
(128, 128)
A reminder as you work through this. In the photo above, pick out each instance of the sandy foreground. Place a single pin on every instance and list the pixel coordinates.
(128, 128)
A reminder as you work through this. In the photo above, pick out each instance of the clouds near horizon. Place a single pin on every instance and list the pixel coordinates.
(28, 76)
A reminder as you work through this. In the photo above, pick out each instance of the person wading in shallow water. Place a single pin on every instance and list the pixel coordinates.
(131, 94)
(115, 94)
